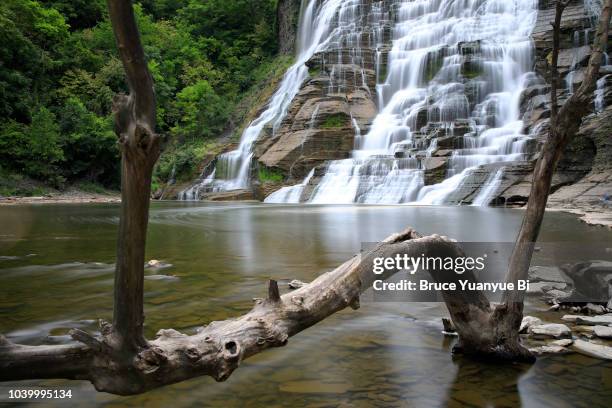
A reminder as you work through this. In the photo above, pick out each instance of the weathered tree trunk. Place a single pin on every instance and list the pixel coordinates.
(219, 348)
(564, 124)
(140, 147)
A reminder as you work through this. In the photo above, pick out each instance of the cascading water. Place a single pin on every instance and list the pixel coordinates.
(454, 76)
(487, 193)
(232, 169)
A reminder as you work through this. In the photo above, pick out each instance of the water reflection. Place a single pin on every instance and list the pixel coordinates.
(385, 354)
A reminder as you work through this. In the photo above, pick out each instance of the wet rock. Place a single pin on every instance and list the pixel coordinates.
(157, 264)
(527, 322)
(547, 274)
(604, 332)
(592, 280)
(593, 350)
(562, 342)
(557, 296)
(570, 318)
(161, 278)
(593, 309)
(584, 329)
(555, 330)
(435, 169)
(603, 320)
(296, 284)
(540, 350)
(234, 195)
(542, 288)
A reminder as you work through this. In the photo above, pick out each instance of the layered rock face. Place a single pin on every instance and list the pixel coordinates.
(336, 102)
(585, 171)
(460, 115)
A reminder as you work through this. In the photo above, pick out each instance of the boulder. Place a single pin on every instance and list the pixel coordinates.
(592, 280)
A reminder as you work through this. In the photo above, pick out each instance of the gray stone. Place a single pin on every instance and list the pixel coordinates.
(548, 350)
(605, 332)
(555, 330)
(593, 350)
(593, 309)
(547, 274)
(570, 318)
(527, 322)
(562, 342)
(604, 320)
(538, 288)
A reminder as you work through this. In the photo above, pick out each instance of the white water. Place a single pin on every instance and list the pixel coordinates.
(426, 34)
(289, 194)
(233, 168)
(489, 192)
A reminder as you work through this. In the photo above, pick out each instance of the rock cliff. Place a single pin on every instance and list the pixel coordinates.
(338, 102)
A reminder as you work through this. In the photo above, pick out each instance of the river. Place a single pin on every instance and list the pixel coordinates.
(56, 273)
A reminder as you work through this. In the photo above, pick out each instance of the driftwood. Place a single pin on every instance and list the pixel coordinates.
(218, 348)
(122, 361)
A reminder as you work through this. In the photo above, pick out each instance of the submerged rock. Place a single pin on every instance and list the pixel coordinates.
(552, 349)
(161, 277)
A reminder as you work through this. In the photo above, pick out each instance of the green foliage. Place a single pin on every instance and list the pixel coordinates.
(59, 70)
(34, 149)
(202, 113)
(337, 120)
(270, 175)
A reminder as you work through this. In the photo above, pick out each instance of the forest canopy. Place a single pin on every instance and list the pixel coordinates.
(59, 69)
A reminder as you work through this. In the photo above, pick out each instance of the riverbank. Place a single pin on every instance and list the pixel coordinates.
(64, 197)
(595, 216)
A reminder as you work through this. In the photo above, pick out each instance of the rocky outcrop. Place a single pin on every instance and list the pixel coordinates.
(335, 103)
(287, 19)
(584, 173)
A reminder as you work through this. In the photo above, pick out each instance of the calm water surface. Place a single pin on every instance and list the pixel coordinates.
(56, 273)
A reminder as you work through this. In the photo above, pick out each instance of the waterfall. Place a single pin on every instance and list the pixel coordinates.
(233, 168)
(289, 194)
(461, 66)
(488, 191)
